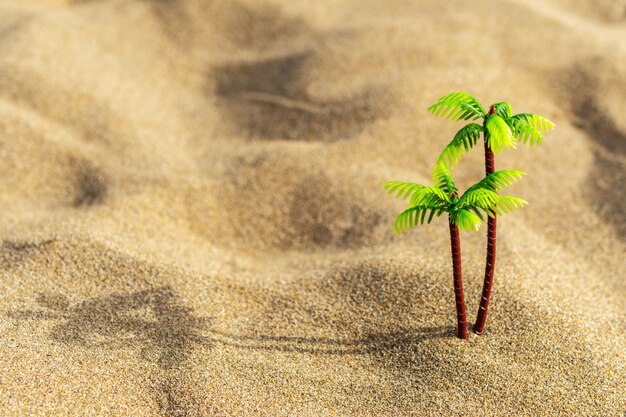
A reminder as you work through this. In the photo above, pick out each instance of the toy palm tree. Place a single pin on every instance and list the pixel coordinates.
(500, 129)
(464, 213)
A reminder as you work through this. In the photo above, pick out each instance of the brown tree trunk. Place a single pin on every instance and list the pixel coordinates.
(459, 296)
(490, 263)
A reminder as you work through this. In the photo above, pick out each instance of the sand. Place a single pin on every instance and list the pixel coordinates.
(192, 221)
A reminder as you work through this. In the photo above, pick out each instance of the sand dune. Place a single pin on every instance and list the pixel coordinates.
(193, 222)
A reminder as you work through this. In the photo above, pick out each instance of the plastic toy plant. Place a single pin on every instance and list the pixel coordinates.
(464, 213)
(501, 130)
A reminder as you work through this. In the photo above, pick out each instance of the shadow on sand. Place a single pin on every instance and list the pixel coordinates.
(607, 179)
(371, 344)
(166, 333)
(153, 319)
(269, 99)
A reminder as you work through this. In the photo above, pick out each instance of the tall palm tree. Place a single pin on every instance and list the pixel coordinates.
(464, 213)
(501, 129)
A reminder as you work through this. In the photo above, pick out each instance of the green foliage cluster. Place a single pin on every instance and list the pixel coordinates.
(468, 211)
(501, 130)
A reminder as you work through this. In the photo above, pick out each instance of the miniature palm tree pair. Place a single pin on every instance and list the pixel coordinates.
(501, 130)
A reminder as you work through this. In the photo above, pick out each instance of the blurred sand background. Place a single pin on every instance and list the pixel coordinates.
(192, 221)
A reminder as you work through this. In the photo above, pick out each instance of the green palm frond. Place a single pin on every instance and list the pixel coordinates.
(507, 204)
(443, 179)
(416, 215)
(403, 190)
(458, 106)
(479, 214)
(480, 197)
(489, 201)
(497, 180)
(500, 134)
(538, 122)
(529, 128)
(526, 133)
(429, 196)
(465, 219)
(464, 140)
(503, 109)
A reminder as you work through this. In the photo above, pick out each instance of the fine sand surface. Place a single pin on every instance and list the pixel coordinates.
(192, 221)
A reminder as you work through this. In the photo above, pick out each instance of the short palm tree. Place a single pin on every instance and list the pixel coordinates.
(464, 213)
(501, 129)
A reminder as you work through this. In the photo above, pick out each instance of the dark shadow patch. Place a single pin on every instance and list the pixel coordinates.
(14, 252)
(377, 311)
(168, 331)
(90, 186)
(269, 99)
(608, 178)
(154, 319)
(592, 118)
(25, 245)
(376, 343)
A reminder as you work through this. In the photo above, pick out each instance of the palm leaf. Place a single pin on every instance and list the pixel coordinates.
(465, 219)
(503, 109)
(497, 180)
(507, 204)
(481, 197)
(429, 196)
(416, 215)
(458, 106)
(529, 128)
(403, 190)
(443, 179)
(479, 214)
(500, 134)
(538, 122)
(526, 133)
(464, 140)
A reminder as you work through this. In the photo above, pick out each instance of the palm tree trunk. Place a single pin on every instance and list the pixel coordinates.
(490, 263)
(461, 317)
